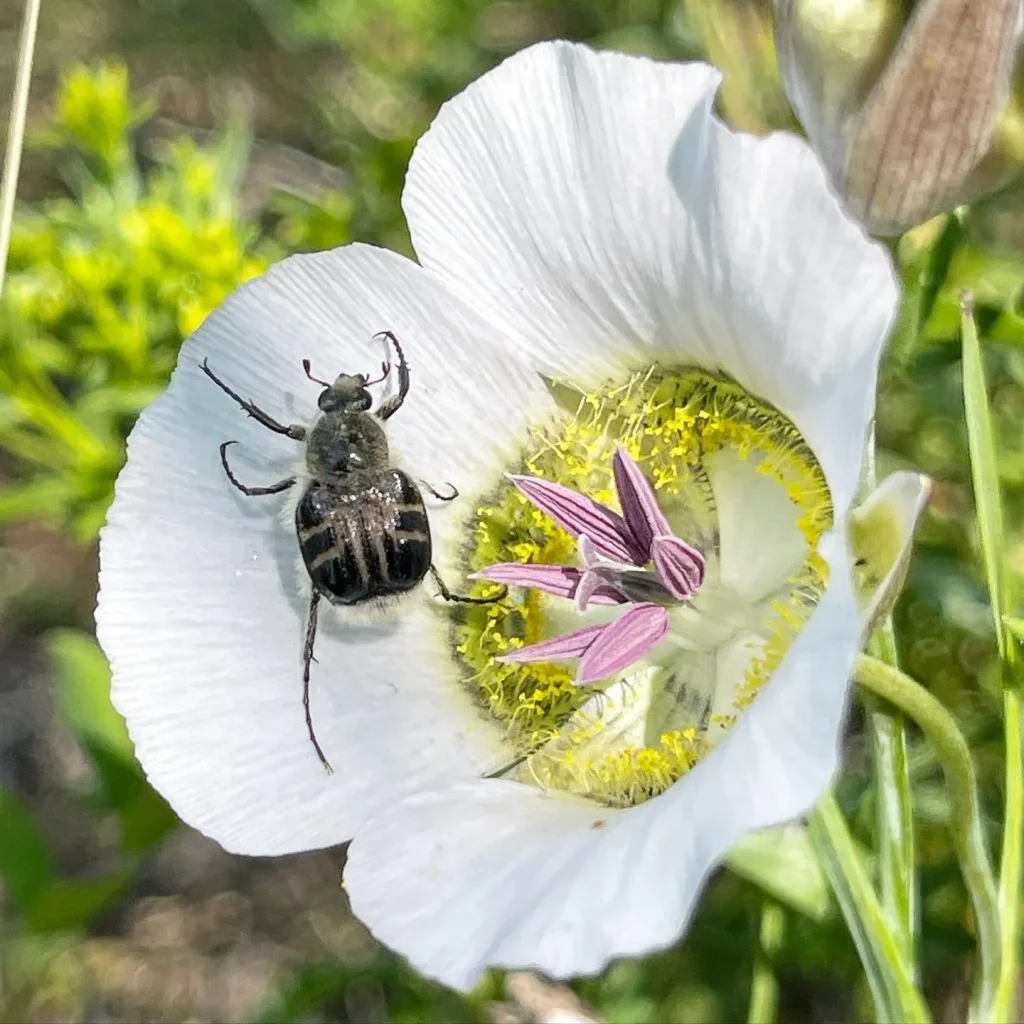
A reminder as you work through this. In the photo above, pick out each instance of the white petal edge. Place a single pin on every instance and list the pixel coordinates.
(200, 611)
(882, 531)
(593, 206)
(500, 874)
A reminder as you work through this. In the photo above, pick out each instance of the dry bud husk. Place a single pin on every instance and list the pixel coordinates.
(903, 100)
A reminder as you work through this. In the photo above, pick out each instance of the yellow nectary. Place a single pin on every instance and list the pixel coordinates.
(633, 737)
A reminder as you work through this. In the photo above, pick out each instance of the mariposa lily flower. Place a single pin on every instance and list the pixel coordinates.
(669, 335)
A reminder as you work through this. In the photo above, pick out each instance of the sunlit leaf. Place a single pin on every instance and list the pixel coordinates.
(782, 862)
(37, 499)
(27, 866)
(923, 279)
(65, 904)
(83, 695)
(143, 814)
(1015, 626)
(83, 691)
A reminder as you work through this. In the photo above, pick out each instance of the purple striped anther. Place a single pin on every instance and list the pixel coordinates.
(578, 514)
(615, 550)
(560, 580)
(679, 566)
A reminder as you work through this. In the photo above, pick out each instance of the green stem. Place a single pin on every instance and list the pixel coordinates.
(16, 129)
(764, 987)
(894, 815)
(894, 808)
(965, 819)
(1005, 1004)
(889, 975)
(922, 290)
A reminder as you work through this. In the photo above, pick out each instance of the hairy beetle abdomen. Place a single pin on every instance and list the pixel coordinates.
(363, 536)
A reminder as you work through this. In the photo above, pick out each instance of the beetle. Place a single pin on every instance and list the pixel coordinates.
(361, 523)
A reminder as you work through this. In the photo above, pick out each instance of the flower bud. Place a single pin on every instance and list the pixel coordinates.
(901, 100)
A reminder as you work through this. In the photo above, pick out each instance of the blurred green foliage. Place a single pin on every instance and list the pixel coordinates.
(107, 279)
(404, 58)
(31, 877)
(354, 993)
(104, 283)
(102, 287)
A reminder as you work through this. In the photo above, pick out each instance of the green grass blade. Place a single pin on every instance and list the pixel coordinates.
(984, 470)
(1015, 626)
(965, 821)
(921, 289)
(894, 813)
(889, 976)
(984, 476)
(1005, 1005)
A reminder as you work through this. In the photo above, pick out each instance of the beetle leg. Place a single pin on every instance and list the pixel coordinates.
(462, 598)
(394, 403)
(295, 432)
(501, 772)
(307, 660)
(442, 497)
(281, 485)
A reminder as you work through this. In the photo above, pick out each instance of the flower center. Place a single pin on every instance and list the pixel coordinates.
(646, 655)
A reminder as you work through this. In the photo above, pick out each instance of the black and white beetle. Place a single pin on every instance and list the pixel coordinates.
(361, 523)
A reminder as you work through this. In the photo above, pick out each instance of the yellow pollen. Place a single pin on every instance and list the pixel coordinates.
(672, 424)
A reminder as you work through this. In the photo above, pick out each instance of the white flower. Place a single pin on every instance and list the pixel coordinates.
(691, 293)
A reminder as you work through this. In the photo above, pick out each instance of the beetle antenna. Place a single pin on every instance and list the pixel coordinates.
(315, 380)
(385, 369)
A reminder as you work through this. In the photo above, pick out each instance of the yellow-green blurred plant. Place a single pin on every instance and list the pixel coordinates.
(103, 285)
(404, 58)
(736, 36)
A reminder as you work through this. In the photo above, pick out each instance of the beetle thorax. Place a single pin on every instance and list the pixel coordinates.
(345, 442)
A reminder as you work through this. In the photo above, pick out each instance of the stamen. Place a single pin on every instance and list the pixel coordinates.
(560, 580)
(614, 505)
(680, 567)
(622, 642)
(639, 504)
(580, 514)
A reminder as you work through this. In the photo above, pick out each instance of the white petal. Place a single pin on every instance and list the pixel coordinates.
(200, 611)
(882, 531)
(594, 207)
(761, 543)
(495, 873)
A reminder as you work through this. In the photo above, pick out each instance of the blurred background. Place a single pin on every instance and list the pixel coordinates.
(176, 147)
